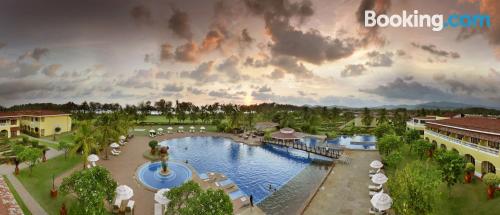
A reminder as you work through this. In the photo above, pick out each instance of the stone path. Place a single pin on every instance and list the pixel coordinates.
(345, 191)
(8, 204)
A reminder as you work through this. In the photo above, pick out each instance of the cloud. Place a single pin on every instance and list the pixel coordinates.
(51, 70)
(230, 68)
(141, 14)
(378, 59)
(18, 69)
(2, 44)
(164, 75)
(179, 24)
(264, 89)
(195, 91)
(409, 90)
(433, 50)
(187, 52)
(166, 52)
(245, 37)
(277, 74)
(202, 74)
(292, 66)
(139, 79)
(257, 63)
(353, 70)
(173, 88)
(212, 40)
(35, 54)
(371, 34)
(224, 94)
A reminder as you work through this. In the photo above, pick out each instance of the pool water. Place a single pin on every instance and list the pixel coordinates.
(310, 141)
(366, 142)
(252, 168)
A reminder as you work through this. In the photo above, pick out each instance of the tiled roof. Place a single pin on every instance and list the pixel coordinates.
(31, 113)
(480, 124)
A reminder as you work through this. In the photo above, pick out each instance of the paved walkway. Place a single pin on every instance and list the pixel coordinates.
(345, 191)
(28, 200)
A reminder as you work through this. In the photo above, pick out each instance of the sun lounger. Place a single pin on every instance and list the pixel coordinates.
(226, 184)
(204, 177)
(372, 171)
(372, 193)
(116, 206)
(158, 210)
(373, 211)
(129, 210)
(374, 187)
(245, 201)
(115, 153)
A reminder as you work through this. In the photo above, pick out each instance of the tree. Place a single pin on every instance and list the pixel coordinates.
(393, 159)
(491, 180)
(367, 117)
(56, 131)
(31, 156)
(382, 129)
(414, 189)
(65, 146)
(388, 143)
(153, 144)
(90, 187)
(382, 116)
(191, 199)
(451, 165)
(411, 136)
(421, 147)
(85, 140)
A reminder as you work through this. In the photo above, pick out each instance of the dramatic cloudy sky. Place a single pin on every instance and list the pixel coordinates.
(243, 51)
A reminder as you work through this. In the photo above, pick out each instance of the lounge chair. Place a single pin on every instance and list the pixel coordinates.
(372, 193)
(129, 210)
(116, 206)
(158, 210)
(115, 153)
(372, 171)
(373, 211)
(245, 201)
(225, 184)
(204, 177)
(93, 164)
(374, 187)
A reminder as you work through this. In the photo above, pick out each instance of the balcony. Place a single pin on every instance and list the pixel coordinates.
(414, 125)
(473, 146)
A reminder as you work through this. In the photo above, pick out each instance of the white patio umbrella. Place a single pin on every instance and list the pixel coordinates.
(122, 137)
(379, 178)
(202, 128)
(381, 201)
(151, 131)
(124, 192)
(181, 127)
(160, 196)
(169, 128)
(114, 145)
(160, 129)
(92, 158)
(376, 164)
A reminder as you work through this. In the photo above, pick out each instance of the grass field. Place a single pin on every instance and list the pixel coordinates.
(462, 199)
(40, 182)
(19, 201)
(67, 136)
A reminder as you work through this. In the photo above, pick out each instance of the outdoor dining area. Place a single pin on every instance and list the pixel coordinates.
(381, 202)
(180, 129)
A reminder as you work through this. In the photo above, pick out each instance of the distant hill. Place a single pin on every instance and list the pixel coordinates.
(435, 105)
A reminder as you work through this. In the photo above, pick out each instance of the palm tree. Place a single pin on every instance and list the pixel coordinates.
(367, 117)
(85, 140)
(107, 130)
(382, 116)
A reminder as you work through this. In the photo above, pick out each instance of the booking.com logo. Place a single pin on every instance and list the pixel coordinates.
(435, 21)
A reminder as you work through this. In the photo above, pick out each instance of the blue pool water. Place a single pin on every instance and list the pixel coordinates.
(149, 175)
(366, 142)
(309, 141)
(252, 168)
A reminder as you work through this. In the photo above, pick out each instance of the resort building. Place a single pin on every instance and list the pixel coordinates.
(478, 139)
(34, 122)
(418, 123)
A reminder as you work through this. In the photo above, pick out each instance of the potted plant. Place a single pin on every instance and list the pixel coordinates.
(153, 144)
(491, 180)
(469, 171)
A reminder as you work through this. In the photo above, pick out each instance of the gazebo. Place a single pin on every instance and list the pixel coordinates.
(285, 135)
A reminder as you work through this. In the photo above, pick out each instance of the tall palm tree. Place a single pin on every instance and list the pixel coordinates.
(85, 140)
(107, 130)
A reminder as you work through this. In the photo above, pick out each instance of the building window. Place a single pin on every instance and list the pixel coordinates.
(13, 122)
(42, 119)
(43, 132)
(3, 121)
(495, 145)
(474, 140)
(460, 137)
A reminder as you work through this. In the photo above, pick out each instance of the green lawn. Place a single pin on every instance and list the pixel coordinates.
(211, 128)
(19, 201)
(463, 198)
(66, 136)
(40, 182)
(42, 142)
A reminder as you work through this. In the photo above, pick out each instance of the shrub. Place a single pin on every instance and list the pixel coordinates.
(393, 159)
(388, 143)
(153, 144)
(490, 179)
(469, 167)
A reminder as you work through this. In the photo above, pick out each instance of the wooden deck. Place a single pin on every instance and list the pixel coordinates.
(331, 152)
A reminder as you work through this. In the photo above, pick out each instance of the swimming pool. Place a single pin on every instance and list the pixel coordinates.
(366, 142)
(252, 168)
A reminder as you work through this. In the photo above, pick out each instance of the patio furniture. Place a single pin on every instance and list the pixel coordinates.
(373, 211)
(226, 184)
(204, 177)
(374, 187)
(116, 205)
(372, 193)
(124, 192)
(158, 209)
(93, 164)
(245, 201)
(379, 178)
(129, 210)
(115, 153)
(373, 172)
